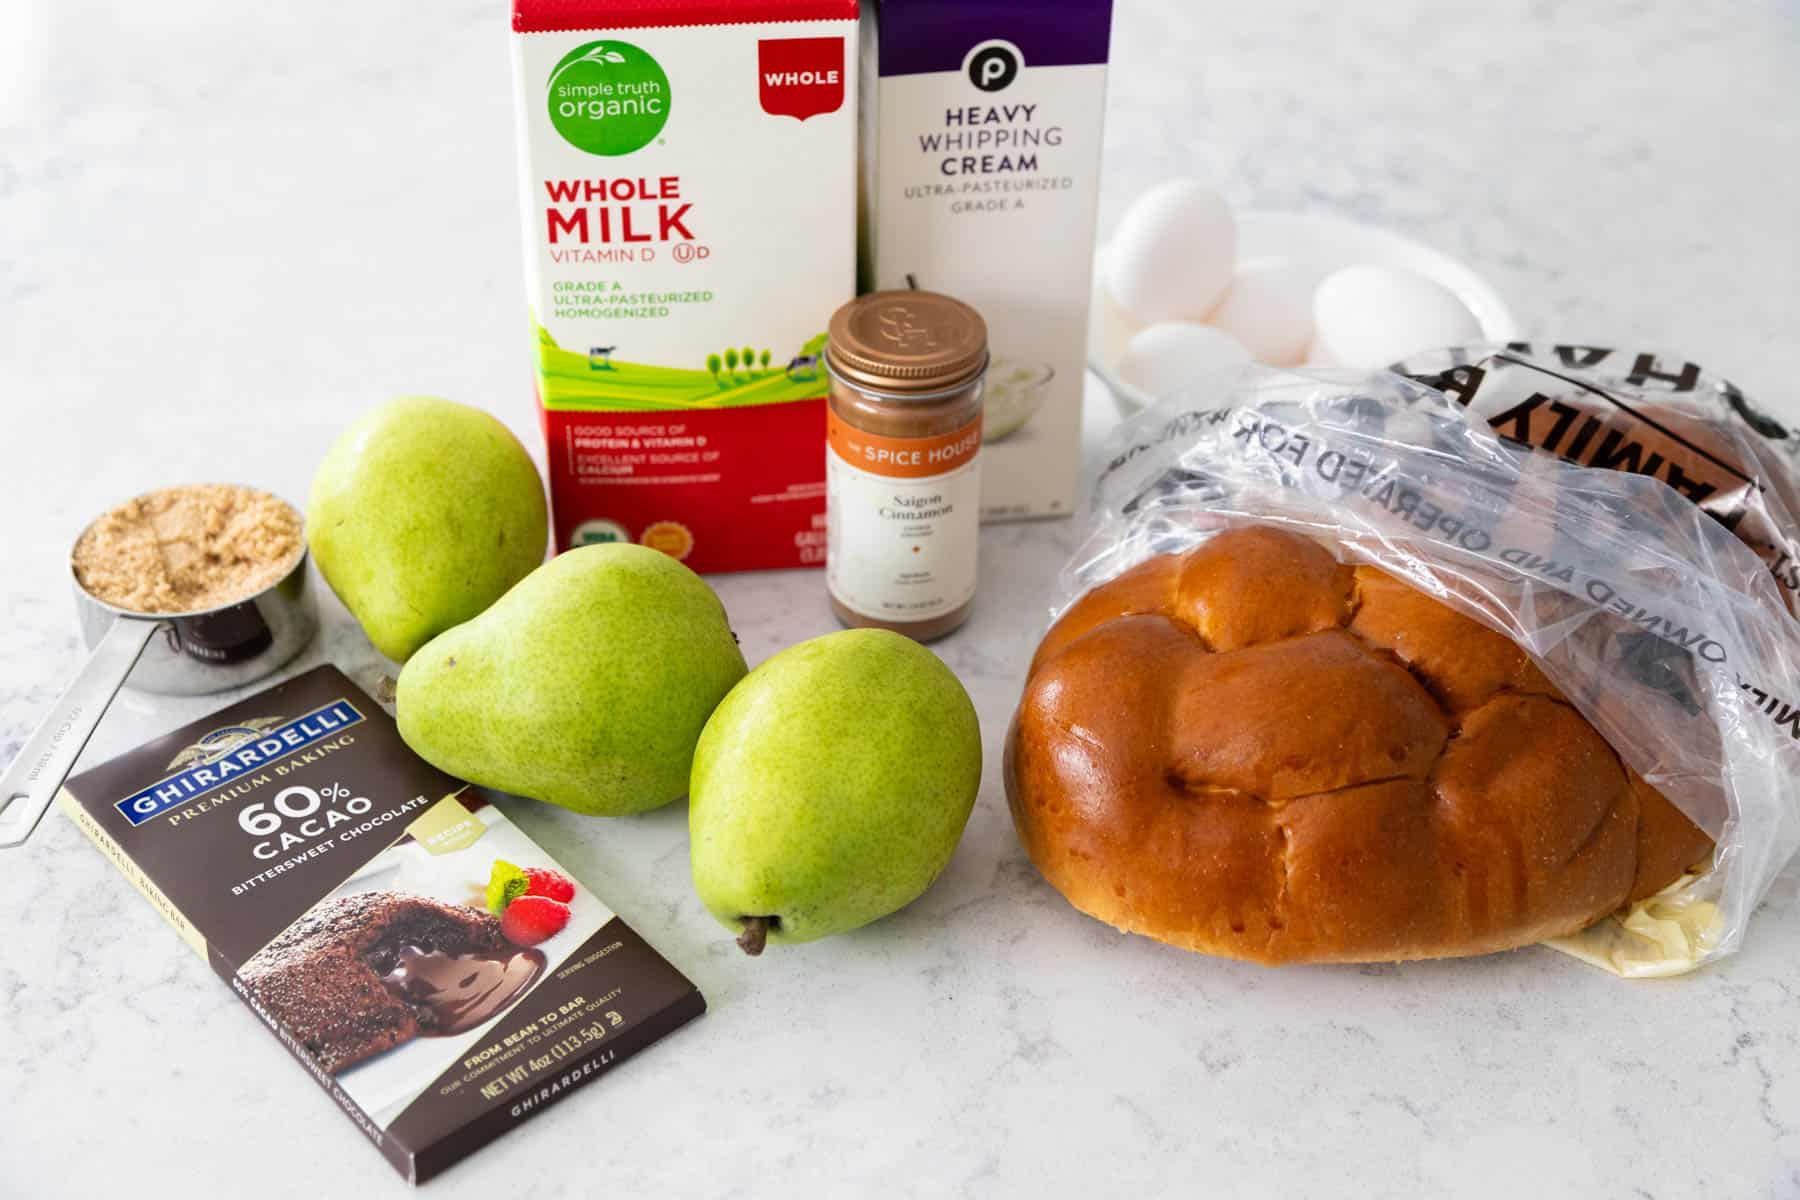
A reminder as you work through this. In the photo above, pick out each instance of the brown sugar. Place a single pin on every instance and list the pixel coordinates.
(188, 548)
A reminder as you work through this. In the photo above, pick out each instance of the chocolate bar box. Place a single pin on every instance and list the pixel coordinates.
(347, 892)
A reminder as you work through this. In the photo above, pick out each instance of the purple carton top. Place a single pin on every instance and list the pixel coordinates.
(922, 36)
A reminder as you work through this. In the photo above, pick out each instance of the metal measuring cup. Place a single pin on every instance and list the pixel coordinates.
(175, 654)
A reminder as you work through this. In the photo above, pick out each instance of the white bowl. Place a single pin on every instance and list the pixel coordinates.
(1327, 243)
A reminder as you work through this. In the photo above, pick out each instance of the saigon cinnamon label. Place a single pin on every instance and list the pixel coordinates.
(903, 532)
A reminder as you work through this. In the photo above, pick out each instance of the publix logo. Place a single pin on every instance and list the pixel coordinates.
(608, 98)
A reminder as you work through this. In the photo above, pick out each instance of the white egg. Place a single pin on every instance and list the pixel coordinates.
(1269, 310)
(1112, 326)
(1173, 253)
(1318, 356)
(1166, 358)
(1369, 316)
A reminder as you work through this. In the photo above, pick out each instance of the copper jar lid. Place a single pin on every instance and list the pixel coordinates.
(906, 341)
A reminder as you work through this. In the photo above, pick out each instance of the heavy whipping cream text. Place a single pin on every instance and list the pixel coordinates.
(987, 141)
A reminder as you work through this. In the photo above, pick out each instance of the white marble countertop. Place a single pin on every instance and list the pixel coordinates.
(226, 229)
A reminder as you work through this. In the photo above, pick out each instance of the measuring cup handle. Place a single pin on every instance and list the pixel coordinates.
(36, 775)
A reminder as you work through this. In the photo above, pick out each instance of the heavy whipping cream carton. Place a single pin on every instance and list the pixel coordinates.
(687, 178)
(981, 171)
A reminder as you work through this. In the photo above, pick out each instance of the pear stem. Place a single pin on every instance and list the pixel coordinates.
(755, 935)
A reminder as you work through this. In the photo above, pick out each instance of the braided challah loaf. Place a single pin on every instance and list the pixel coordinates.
(1256, 751)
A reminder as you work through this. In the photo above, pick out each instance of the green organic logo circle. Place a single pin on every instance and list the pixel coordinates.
(608, 98)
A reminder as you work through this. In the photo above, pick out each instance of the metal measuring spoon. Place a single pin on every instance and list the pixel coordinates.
(175, 654)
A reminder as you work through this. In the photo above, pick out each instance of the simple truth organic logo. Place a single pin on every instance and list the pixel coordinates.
(608, 98)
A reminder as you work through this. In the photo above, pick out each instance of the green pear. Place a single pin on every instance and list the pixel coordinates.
(423, 513)
(587, 685)
(831, 787)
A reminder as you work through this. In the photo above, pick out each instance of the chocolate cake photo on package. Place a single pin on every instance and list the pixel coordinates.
(404, 968)
(430, 965)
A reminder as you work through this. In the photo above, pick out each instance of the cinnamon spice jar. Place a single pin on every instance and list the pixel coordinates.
(903, 461)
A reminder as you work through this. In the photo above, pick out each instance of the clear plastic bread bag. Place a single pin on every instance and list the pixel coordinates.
(1664, 629)
(1643, 411)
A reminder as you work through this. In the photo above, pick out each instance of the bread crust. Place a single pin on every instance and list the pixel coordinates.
(1256, 751)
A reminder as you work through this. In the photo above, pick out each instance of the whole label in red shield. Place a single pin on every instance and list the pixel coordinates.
(800, 77)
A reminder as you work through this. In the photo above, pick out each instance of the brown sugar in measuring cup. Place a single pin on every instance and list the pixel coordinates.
(903, 467)
(186, 591)
(188, 548)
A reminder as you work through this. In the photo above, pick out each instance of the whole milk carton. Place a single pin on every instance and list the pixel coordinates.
(981, 172)
(688, 183)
